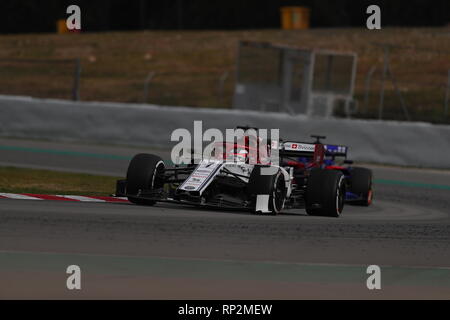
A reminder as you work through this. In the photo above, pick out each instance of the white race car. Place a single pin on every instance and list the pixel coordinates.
(235, 178)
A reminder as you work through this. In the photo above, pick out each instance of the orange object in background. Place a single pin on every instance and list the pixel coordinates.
(295, 18)
(61, 26)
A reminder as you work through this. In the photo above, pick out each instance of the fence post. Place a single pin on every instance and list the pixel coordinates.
(146, 84)
(76, 81)
(222, 80)
(400, 96)
(383, 79)
(447, 95)
(367, 88)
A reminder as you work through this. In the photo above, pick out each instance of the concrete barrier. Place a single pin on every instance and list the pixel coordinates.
(387, 142)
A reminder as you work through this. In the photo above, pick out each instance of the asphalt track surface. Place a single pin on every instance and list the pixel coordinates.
(171, 251)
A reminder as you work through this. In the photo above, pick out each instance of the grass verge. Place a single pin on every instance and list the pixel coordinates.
(21, 180)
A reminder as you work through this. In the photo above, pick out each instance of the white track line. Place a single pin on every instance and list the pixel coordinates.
(18, 196)
(82, 198)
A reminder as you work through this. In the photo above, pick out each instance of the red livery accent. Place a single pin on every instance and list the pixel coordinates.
(334, 168)
(296, 164)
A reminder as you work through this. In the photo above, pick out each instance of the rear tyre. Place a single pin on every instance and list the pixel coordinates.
(144, 173)
(325, 193)
(361, 184)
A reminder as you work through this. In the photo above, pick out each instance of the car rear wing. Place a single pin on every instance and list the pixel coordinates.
(335, 150)
(303, 149)
(297, 149)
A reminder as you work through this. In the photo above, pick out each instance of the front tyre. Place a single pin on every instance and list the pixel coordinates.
(277, 195)
(144, 173)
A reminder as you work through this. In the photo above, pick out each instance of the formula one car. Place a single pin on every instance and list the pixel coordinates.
(234, 178)
(358, 180)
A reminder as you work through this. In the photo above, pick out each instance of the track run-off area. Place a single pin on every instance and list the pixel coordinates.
(172, 251)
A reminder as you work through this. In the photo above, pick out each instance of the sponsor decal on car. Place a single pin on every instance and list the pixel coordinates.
(335, 149)
(294, 146)
(202, 175)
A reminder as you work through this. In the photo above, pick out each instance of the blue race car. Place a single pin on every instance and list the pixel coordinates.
(359, 189)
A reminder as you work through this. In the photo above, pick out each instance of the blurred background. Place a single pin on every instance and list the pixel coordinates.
(189, 53)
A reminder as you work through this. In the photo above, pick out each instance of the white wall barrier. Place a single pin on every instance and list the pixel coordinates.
(387, 142)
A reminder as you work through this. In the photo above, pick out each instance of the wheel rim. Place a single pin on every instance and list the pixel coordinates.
(278, 194)
(340, 200)
(370, 197)
(156, 178)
